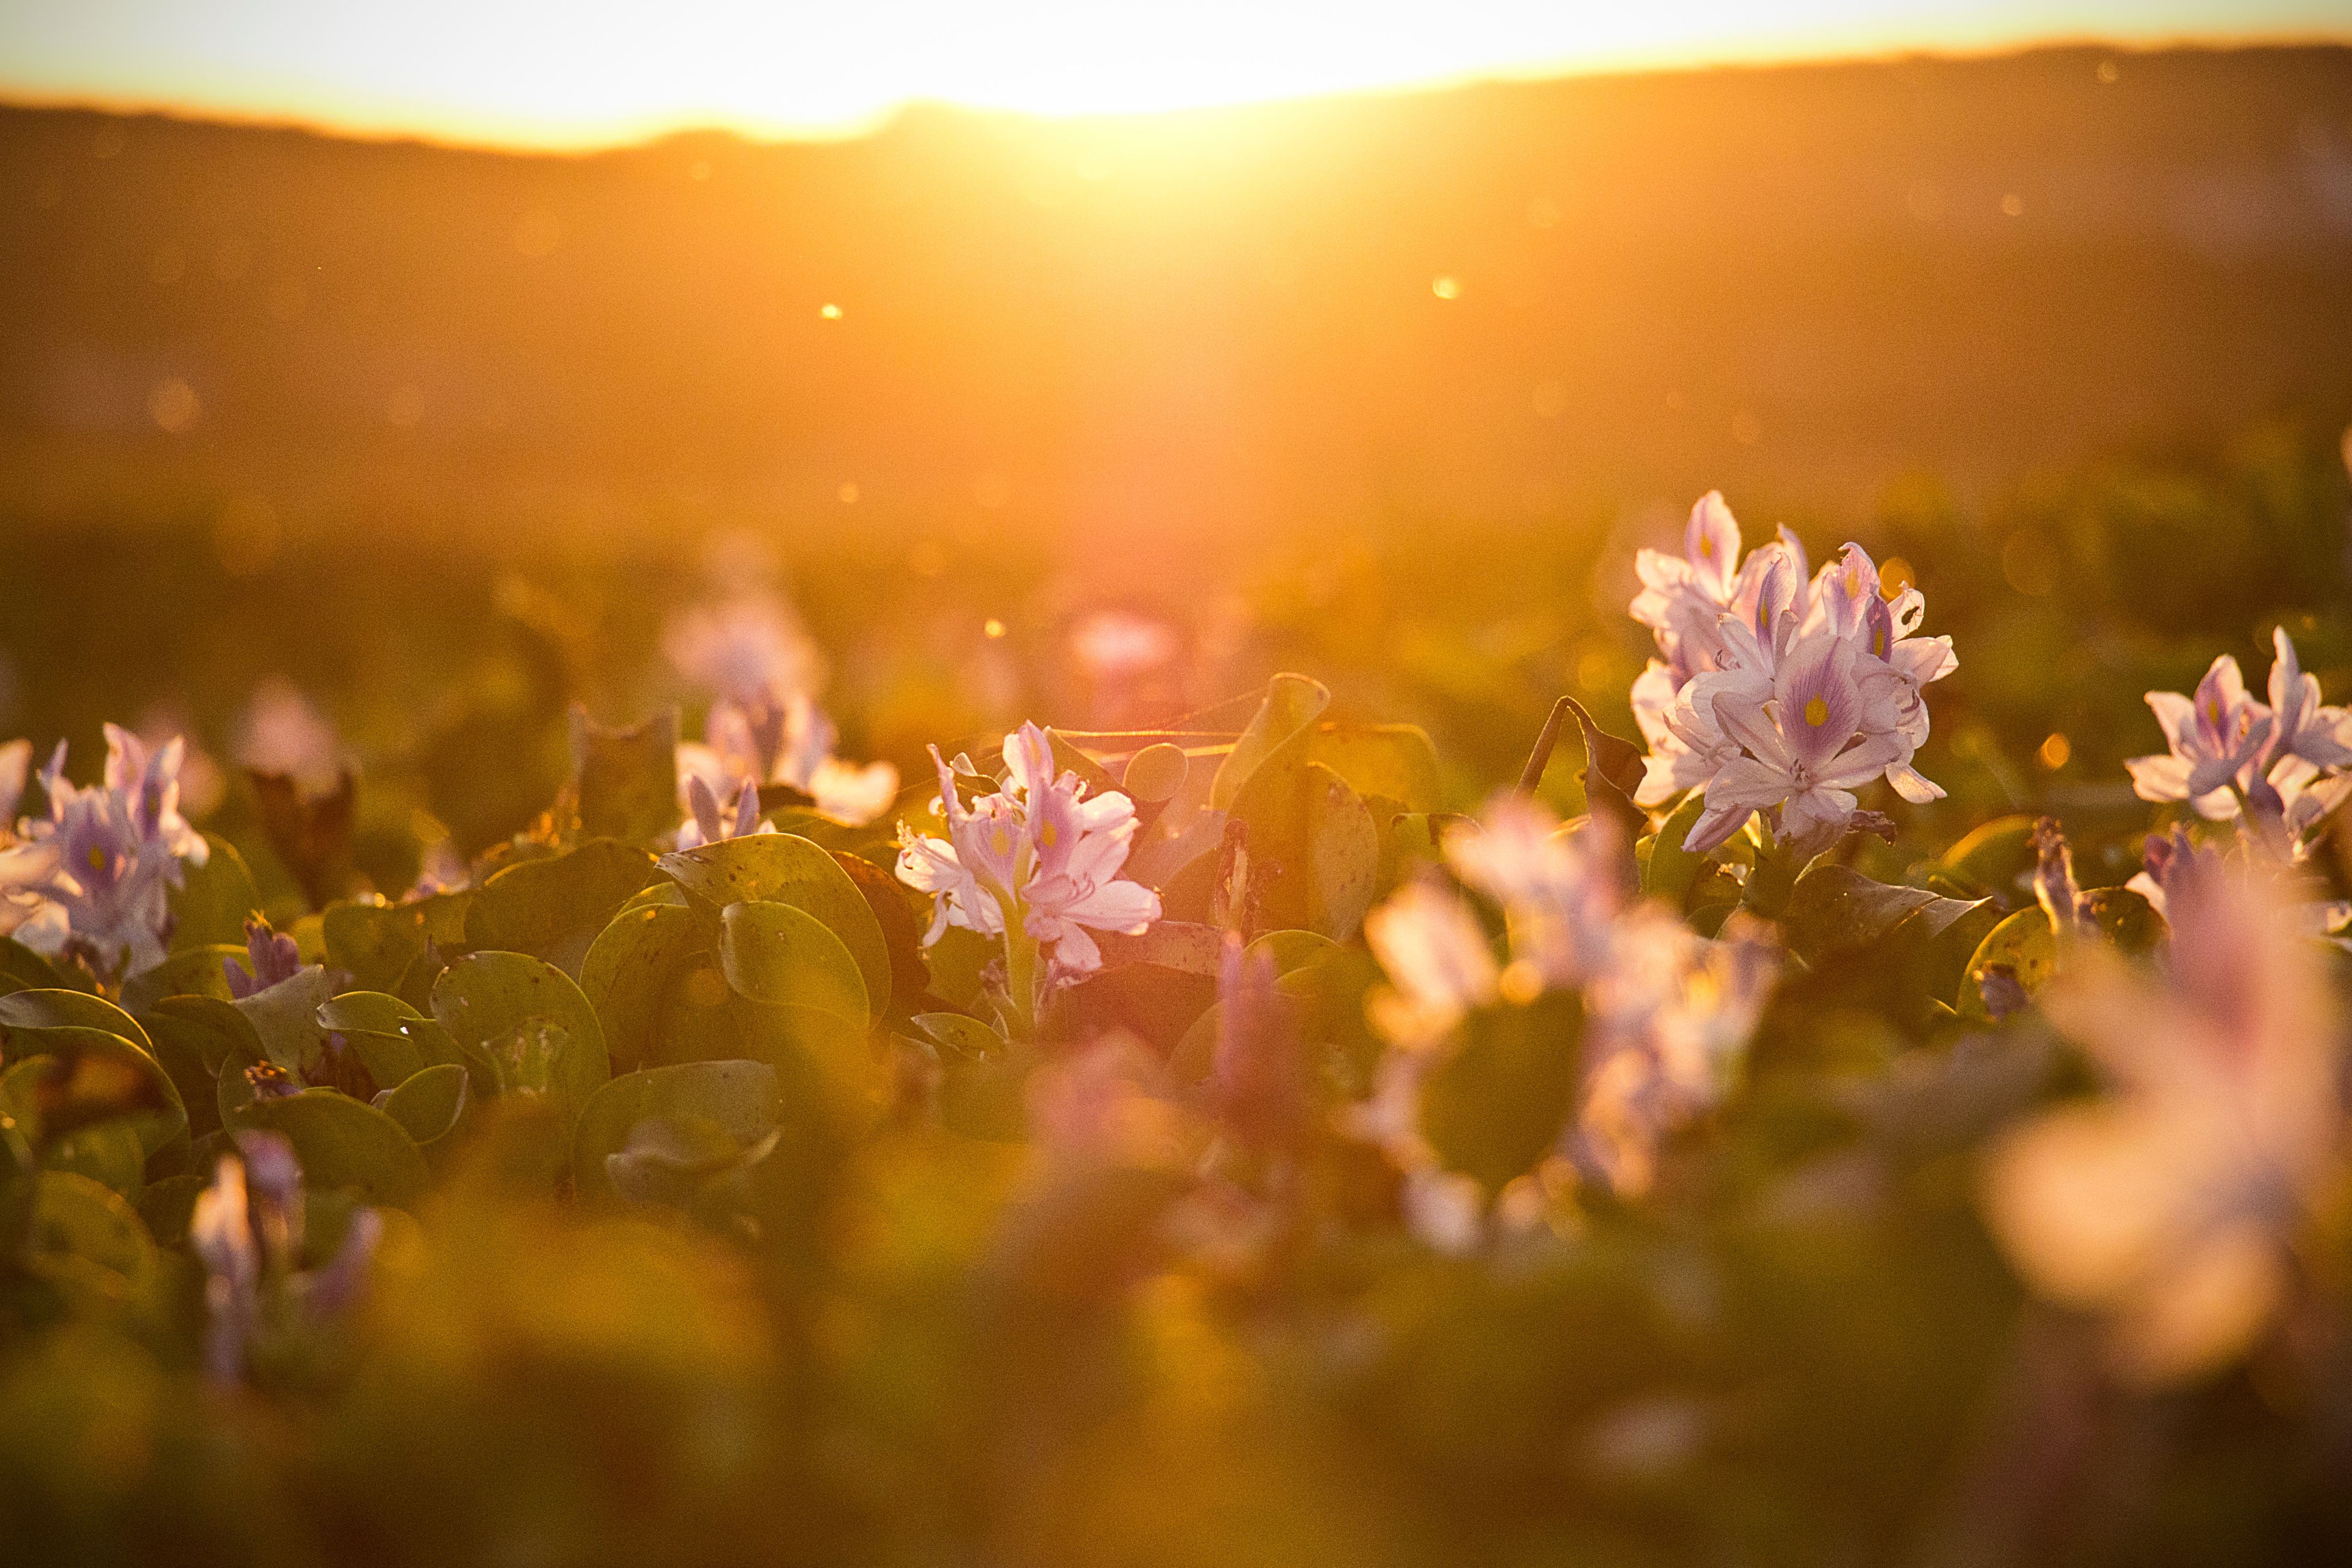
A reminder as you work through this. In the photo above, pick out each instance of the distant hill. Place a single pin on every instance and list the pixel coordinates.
(1799, 283)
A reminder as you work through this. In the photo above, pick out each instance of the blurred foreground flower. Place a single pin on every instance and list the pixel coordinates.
(246, 1231)
(1775, 694)
(1036, 862)
(2171, 1206)
(96, 876)
(1656, 1017)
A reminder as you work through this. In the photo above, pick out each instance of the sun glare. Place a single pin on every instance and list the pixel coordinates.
(615, 72)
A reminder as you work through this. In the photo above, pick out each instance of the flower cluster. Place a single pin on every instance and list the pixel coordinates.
(95, 876)
(1666, 1011)
(2278, 767)
(764, 725)
(1777, 693)
(1037, 861)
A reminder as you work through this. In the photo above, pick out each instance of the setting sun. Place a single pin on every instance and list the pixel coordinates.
(545, 74)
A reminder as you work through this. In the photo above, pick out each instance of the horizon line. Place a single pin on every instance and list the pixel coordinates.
(393, 130)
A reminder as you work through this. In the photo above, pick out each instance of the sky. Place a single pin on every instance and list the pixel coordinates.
(583, 73)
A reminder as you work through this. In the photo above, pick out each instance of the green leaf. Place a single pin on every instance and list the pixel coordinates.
(1391, 759)
(1994, 858)
(778, 868)
(1613, 770)
(213, 900)
(22, 969)
(2023, 944)
(983, 1077)
(741, 1097)
(1292, 703)
(1493, 1108)
(62, 1008)
(109, 1153)
(1834, 910)
(187, 972)
(1323, 847)
(961, 1036)
(87, 1243)
(1293, 950)
(285, 1017)
(342, 1141)
(554, 908)
(782, 955)
(2126, 919)
(430, 1104)
(92, 1074)
(219, 1026)
(376, 942)
(1673, 871)
(625, 782)
(631, 971)
(190, 1053)
(483, 996)
(393, 1038)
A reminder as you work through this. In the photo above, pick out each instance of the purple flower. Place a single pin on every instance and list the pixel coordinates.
(109, 859)
(271, 957)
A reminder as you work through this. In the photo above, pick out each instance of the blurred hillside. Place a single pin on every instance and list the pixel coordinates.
(1511, 301)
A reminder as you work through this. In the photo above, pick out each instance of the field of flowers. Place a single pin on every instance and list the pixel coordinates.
(1844, 1083)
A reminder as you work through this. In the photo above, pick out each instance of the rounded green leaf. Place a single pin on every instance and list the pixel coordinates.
(87, 1241)
(553, 908)
(430, 1104)
(62, 1008)
(22, 969)
(105, 1075)
(1292, 703)
(778, 868)
(741, 1097)
(213, 900)
(2024, 946)
(188, 972)
(1293, 950)
(393, 1038)
(485, 996)
(1304, 819)
(1495, 1107)
(782, 955)
(342, 1141)
(630, 970)
(376, 942)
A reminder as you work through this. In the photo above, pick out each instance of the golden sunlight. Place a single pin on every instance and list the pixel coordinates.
(548, 74)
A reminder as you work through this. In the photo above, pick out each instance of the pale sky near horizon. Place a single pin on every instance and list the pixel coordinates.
(578, 73)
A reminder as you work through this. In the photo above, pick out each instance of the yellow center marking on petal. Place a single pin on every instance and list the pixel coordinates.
(1048, 834)
(1001, 841)
(96, 858)
(1706, 546)
(1817, 711)
(1879, 642)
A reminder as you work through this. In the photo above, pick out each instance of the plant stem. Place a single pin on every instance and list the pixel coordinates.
(1021, 973)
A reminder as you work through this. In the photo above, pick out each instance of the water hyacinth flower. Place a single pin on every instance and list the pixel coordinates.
(271, 959)
(2169, 1208)
(246, 1231)
(105, 860)
(1775, 694)
(1037, 861)
(750, 652)
(706, 823)
(1666, 1011)
(2281, 763)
